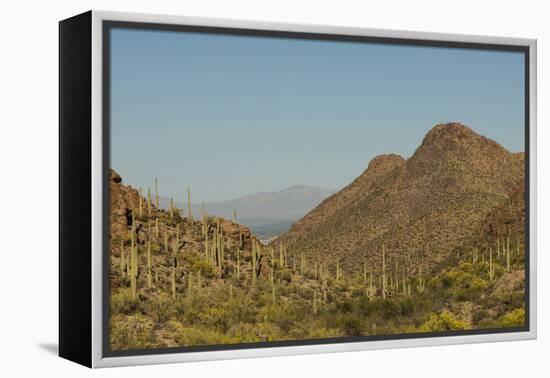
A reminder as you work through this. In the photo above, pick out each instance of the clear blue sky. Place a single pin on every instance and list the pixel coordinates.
(235, 115)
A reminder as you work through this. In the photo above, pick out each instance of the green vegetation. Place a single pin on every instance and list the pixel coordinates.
(176, 281)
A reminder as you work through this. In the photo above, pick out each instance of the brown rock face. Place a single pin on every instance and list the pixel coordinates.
(233, 230)
(123, 199)
(425, 205)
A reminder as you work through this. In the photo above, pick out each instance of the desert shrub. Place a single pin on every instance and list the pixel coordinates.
(131, 332)
(268, 332)
(161, 308)
(321, 333)
(407, 306)
(505, 301)
(353, 326)
(389, 309)
(195, 262)
(217, 318)
(514, 318)
(243, 333)
(487, 323)
(278, 314)
(466, 266)
(344, 306)
(479, 315)
(466, 280)
(186, 336)
(444, 321)
(177, 219)
(286, 276)
(241, 309)
(191, 309)
(122, 302)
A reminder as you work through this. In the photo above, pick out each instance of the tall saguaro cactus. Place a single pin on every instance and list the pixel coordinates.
(133, 263)
(508, 254)
(122, 260)
(157, 227)
(165, 238)
(315, 302)
(491, 265)
(156, 193)
(140, 204)
(149, 202)
(189, 205)
(171, 208)
(421, 283)
(204, 222)
(384, 279)
(149, 266)
(365, 272)
(174, 263)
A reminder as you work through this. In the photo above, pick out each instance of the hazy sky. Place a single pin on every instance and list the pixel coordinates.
(234, 115)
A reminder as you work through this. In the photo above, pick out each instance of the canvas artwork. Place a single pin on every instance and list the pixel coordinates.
(270, 190)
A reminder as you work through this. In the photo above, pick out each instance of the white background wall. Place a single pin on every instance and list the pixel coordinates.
(28, 211)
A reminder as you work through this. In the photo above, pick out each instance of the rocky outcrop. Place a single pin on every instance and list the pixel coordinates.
(123, 201)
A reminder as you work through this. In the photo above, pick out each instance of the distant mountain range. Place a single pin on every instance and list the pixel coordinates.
(266, 213)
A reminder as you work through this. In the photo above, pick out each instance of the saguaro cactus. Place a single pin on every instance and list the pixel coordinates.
(404, 282)
(177, 239)
(365, 272)
(206, 247)
(140, 204)
(508, 254)
(315, 302)
(204, 221)
(171, 208)
(157, 227)
(190, 285)
(238, 264)
(491, 266)
(421, 284)
(165, 238)
(133, 263)
(156, 193)
(173, 276)
(372, 289)
(122, 260)
(384, 283)
(149, 266)
(253, 261)
(189, 205)
(149, 202)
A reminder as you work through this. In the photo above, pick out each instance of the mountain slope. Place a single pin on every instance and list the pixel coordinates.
(426, 205)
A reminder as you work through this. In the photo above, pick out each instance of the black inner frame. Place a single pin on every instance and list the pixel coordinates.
(107, 26)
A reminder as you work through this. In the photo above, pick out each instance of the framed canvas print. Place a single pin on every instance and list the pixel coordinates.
(234, 189)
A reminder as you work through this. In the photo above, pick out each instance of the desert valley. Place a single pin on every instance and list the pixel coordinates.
(432, 243)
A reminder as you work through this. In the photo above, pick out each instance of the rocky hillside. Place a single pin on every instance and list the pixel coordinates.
(427, 205)
(434, 243)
